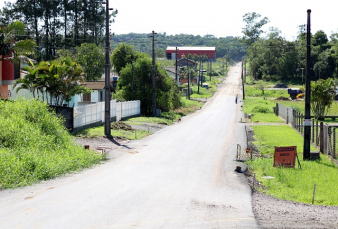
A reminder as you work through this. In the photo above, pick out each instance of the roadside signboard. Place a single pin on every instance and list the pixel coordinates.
(285, 156)
(307, 122)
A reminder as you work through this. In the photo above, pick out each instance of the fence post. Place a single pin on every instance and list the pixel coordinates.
(317, 137)
(313, 132)
(329, 140)
(334, 143)
(287, 115)
(321, 142)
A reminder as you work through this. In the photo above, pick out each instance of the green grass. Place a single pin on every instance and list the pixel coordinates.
(270, 136)
(253, 91)
(296, 184)
(261, 109)
(300, 106)
(203, 93)
(96, 132)
(293, 184)
(35, 146)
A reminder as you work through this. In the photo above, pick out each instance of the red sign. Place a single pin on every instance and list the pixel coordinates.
(285, 156)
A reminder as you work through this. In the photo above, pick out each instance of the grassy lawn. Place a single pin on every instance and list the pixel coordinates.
(270, 136)
(293, 184)
(261, 109)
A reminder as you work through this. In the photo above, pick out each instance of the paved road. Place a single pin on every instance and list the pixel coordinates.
(181, 177)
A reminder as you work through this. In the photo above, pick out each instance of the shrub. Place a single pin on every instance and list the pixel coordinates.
(261, 109)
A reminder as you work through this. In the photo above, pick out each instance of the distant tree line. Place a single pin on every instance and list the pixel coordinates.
(273, 58)
(230, 48)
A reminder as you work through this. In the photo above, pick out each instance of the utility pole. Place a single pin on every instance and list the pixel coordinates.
(132, 80)
(188, 97)
(242, 76)
(210, 69)
(107, 122)
(307, 119)
(176, 66)
(154, 95)
(199, 76)
(202, 71)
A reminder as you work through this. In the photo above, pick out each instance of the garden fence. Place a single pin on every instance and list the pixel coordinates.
(93, 114)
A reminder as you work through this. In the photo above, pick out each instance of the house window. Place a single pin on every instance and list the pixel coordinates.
(87, 97)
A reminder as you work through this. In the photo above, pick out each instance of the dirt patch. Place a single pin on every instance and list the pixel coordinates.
(282, 98)
(121, 126)
(275, 213)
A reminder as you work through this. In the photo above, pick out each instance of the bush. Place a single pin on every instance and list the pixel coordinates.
(34, 145)
(261, 109)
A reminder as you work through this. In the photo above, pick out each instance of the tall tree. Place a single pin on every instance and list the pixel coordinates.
(92, 59)
(253, 28)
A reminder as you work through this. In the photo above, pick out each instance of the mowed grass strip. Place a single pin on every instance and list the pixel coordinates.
(261, 110)
(293, 184)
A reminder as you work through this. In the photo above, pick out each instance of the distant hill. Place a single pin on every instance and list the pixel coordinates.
(230, 46)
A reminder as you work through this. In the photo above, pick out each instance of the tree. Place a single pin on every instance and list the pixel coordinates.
(252, 30)
(322, 95)
(8, 42)
(121, 56)
(260, 84)
(167, 93)
(320, 38)
(159, 53)
(92, 59)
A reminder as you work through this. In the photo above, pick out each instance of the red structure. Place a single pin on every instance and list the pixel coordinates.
(8, 73)
(210, 52)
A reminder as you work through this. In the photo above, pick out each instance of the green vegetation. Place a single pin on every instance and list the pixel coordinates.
(261, 110)
(20, 47)
(282, 135)
(254, 91)
(288, 183)
(56, 81)
(96, 132)
(132, 68)
(293, 183)
(230, 47)
(35, 146)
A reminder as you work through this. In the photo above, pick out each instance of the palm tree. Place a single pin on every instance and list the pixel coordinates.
(28, 82)
(57, 81)
(9, 45)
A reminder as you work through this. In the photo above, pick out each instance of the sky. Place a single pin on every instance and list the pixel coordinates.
(220, 18)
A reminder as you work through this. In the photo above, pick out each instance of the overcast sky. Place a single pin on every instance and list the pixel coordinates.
(220, 17)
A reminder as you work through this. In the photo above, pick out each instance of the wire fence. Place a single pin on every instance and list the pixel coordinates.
(323, 136)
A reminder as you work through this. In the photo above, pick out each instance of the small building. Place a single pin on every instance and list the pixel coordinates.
(209, 52)
(185, 62)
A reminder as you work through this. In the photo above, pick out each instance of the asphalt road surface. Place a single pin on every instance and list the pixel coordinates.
(181, 177)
